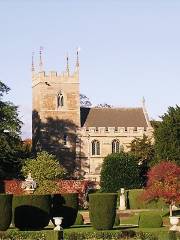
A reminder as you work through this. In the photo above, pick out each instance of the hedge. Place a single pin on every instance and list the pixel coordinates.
(5, 211)
(66, 206)
(13, 234)
(102, 210)
(134, 200)
(31, 211)
(117, 220)
(150, 220)
(79, 219)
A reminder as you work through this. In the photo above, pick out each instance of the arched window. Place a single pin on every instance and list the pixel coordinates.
(65, 139)
(115, 146)
(95, 147)
(60, 100)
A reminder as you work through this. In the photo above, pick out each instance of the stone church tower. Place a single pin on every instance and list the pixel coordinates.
(80, 137)
(56, 112)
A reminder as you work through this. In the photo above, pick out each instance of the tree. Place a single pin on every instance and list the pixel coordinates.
(119, 170)
(10, 141)
(167, 136)
(104, 105)
(143, 149)
(164, 182)
(84, 101)
(44, 168)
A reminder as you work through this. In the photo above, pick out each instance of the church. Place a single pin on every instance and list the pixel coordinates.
(80, 137)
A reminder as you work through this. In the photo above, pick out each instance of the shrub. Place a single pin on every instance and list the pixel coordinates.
(119, 170)
(66, 206)
(31, 211)
(150, 220)
(135, 200)
(45, 168)
(5, 211)
(117, 220)
(102, 210)
(79, 219)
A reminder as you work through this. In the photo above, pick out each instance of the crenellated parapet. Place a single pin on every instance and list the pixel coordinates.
(54, 77)
(119, 131)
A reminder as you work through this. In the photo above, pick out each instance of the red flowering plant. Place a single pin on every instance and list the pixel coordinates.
(164, 182)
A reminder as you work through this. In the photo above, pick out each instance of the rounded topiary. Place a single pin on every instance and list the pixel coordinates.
(150, 220)
(79, 219)
(31, 211)
(5, 211)
(66, 206)
(102, 210)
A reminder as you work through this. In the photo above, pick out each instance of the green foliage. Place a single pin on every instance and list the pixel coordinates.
(31, 211)
(150, 220)
(66, 206)
(5, 211)
(167, 136)
(102, 210)
(13, 234)
(44, 168)
(136, 201)
(117, 220)
(119, 170)
(102, 235)
(143, 149)
(10, 142)
(79, 219)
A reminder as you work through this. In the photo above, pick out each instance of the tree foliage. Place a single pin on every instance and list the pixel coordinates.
(104, 105)
(120, 170)
(10, 141)
(84, 101)
(143, 149)
(167, 136)
(44, 168)
(164, 182)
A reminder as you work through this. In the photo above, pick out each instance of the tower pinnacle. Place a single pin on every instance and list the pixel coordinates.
(67, 64)
(32, 66)
(40, 59)
(77, 59)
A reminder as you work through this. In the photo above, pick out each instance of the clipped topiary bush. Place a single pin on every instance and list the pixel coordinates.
(5, 211)
(31, 211)
(79, 219)
(102, 210)
(117, 220)
(150, 220)
(66, 206)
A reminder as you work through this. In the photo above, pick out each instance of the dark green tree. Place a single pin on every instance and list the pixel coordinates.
(167, 136)
(143, 149)
(120, 170)
(10, 141)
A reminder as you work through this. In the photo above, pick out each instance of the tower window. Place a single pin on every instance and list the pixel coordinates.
(115, 146)
(95, 147)
(60, 100)
(65, 139)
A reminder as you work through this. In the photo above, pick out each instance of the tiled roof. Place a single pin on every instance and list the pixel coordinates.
(113, 117)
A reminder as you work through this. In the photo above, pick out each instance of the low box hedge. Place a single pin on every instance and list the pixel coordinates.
(150, 220)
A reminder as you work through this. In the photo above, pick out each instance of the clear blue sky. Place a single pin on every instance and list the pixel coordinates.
(130, 49)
